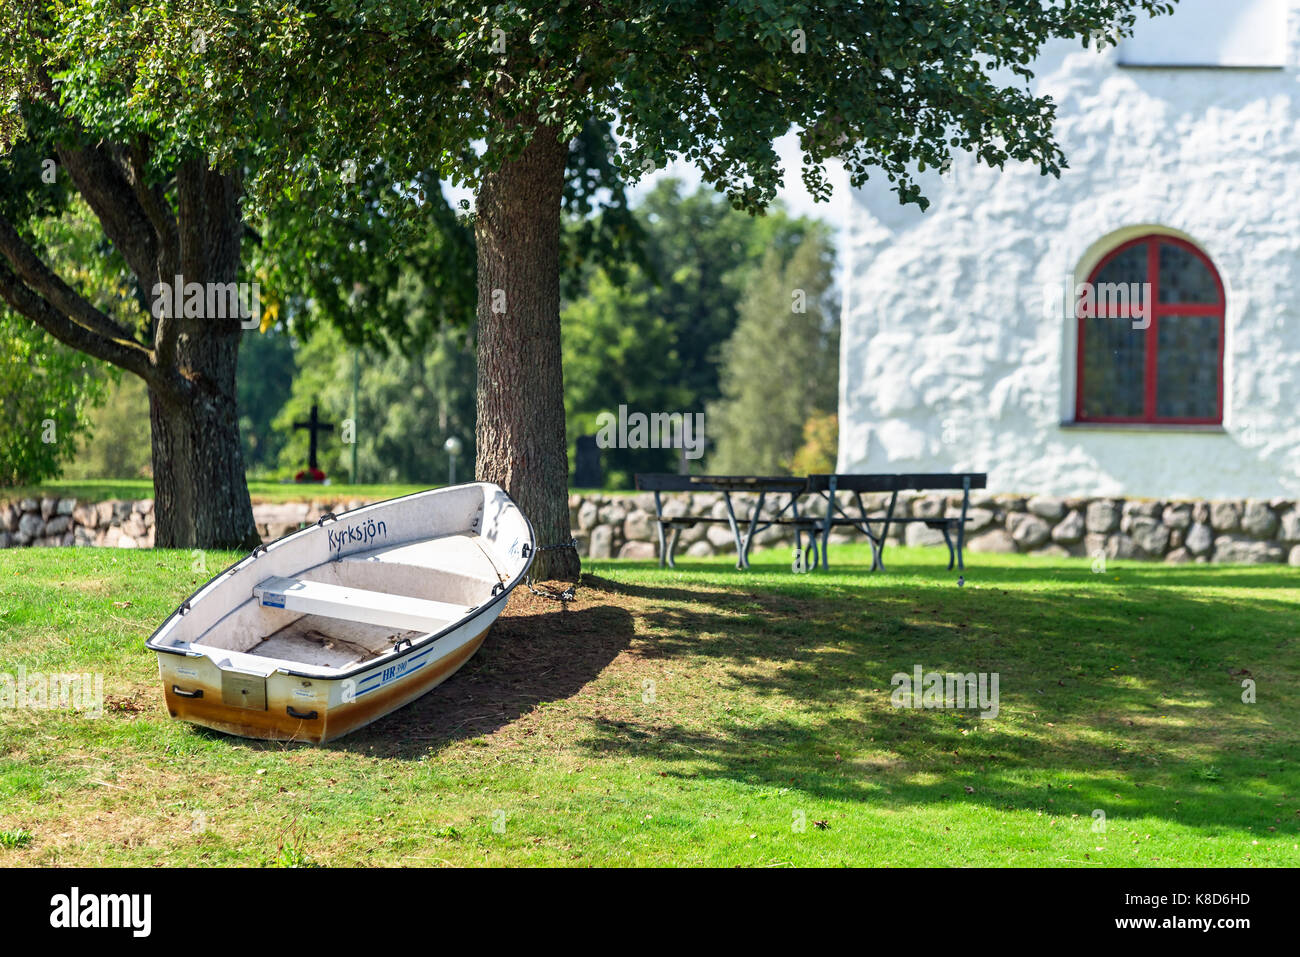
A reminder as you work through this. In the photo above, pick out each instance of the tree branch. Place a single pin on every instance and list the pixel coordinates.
(32, 271)
(153, 201)
(124, 353)
(100, 179)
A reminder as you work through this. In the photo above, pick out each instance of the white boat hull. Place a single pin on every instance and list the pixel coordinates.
(334, 626)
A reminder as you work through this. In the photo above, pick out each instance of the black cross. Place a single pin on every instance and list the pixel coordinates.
(314, 424)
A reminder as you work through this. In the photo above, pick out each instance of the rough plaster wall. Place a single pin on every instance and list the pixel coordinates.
(950, 359)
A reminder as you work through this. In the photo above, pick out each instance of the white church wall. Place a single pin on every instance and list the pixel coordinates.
(953, 357)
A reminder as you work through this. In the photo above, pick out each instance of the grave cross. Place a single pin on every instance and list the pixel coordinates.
(314, 425)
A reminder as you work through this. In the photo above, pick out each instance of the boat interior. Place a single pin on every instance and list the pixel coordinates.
(351, 609)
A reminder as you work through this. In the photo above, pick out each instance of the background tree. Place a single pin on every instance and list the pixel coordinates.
(781, 365)
(117, 438)
(651, 338)
(493, 96)
(407, 407)
(47, 394)
(263, 385)
(821, 439)
(701, 255)
(44, 381)
(166, 212)
(620, 350)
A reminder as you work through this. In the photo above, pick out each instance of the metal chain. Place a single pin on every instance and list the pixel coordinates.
(567, 594)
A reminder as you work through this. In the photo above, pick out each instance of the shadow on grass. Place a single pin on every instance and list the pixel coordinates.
(524, 661)
(1126, 700)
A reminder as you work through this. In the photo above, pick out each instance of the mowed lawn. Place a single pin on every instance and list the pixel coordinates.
(701, 716)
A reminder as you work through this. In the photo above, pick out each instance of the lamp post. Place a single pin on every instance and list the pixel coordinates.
(452, 447)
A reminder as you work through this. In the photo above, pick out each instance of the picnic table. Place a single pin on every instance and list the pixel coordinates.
(670, 527)
(816, 528)
(826, 485)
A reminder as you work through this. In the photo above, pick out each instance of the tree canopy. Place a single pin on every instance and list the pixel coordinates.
(306, 94)
(780, 367)
(323, 88)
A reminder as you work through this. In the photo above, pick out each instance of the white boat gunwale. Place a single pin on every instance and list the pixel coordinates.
(500, 593)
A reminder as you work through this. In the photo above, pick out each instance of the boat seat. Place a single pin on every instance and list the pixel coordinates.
(356, 604)
(458, 554)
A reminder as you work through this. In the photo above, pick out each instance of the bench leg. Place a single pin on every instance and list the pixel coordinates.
(741, 561)
(672, 546)
(878, 551)
(961, 528)
(753, 524)
(826, 528)
(948, 541)
(659, 525)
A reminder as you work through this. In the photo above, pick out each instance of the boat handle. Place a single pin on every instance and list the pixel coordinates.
(301, 715)
(181, 692)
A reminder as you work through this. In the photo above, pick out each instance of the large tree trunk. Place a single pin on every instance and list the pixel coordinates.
(200, 493)
(520, 437)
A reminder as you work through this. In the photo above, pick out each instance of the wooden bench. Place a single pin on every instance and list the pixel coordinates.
(787, 514)
(827, 485)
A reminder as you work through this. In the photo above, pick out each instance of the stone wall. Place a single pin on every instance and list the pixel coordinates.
(622, 526)
(1246, 531)
(127, 524)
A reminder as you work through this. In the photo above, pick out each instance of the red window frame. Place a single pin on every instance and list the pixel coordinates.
(1158, 309)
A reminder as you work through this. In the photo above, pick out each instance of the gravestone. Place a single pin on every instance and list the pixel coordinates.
(586, 463)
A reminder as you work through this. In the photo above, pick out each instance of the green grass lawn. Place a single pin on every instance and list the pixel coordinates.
(701, 716)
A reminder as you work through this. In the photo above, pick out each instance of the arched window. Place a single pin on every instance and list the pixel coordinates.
(1151, 336)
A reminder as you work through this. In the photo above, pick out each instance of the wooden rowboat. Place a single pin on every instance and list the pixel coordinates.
(334, 626)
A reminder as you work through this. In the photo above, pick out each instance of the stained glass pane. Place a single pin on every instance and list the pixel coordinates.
(1187, 367)
(1121, 282)
(1184, 278)
(1114, 366)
